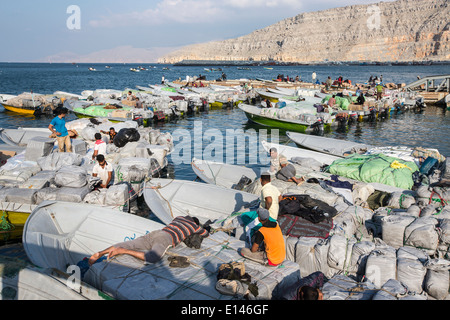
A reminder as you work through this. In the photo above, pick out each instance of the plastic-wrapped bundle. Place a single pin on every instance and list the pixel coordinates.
(360, 252)
(351, 220)
(21, 196)
(88, 133)
(311, 255)
(132, 170)
(3, 193)
(97, 197)
(422, 233)
(381, 265)
(339, 252)
(118, 195)
(341, 287)
(157, 152)
(308, 162)
(411, 272)
(428, 211)
(71, 176)
(41, 180)
(394, 290)
(165, 139)
(399, 200)
(393, 229)
(56, 161)
(437, 279)
(78, 125)
(62, 194)
(414, 211)
(444, 226)
(38, 147)
(19, 172)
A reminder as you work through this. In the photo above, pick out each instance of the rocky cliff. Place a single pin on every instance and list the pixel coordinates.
(404, 30)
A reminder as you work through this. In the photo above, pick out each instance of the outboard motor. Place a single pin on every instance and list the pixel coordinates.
(420, 103)
(384, 113)
(191, 106)
(318, 126)
(372, 115)
(342, 119)
(205, 106)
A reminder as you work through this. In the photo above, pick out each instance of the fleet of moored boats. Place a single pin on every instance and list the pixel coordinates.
(57, 232)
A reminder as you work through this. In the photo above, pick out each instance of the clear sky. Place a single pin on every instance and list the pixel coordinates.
(35, 30)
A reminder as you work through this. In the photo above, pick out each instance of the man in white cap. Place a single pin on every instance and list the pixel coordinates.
(268, 246)
(270, 196)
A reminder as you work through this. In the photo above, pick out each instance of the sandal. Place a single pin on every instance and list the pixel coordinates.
(179, 262)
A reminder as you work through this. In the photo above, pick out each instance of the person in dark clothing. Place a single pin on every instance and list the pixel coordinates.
(361, 99)
(307, 288)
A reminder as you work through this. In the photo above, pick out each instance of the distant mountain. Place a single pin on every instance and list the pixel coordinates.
(403, 30)
(124, 54)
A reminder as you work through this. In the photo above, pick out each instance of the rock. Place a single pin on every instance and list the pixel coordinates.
(408, 30)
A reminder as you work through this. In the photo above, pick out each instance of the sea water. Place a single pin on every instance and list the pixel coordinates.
(429, 128)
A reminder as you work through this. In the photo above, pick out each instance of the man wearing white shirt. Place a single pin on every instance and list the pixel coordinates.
(270, 196)
(103, 170)
(99, 147)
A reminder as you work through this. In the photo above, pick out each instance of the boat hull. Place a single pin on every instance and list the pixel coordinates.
(285, 125)
(27, 111)
(12, 221)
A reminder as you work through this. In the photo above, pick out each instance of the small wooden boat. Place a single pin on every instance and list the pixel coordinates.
(21, 280)
(27, 110)
(276, 97)
(253, 114)
(221, 174)
(293, 152)
(58, 234)
(169, 198)
(335, 147)
(12, 220)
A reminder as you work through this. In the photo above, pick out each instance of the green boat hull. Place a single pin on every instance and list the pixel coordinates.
(146, 122)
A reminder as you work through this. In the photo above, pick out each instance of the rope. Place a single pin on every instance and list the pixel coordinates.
(5, 224)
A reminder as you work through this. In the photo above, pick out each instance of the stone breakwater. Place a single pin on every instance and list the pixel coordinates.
(404, 30)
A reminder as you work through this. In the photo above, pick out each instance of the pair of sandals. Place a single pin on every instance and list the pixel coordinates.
(179, 262)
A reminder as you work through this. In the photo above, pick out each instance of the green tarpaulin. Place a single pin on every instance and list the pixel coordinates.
(376, 168)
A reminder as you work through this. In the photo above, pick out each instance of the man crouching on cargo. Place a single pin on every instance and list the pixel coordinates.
(268, 245)
(152, 247)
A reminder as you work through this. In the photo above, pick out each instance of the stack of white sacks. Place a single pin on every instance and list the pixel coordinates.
(68, 176)
(400, 251)
(391, 253)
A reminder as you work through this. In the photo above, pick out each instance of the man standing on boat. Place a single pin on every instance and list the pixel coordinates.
(379, 88)
(58, 127)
